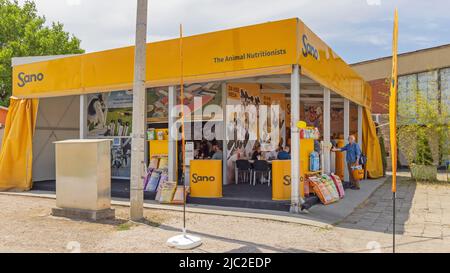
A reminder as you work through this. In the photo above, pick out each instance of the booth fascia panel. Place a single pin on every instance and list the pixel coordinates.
(232, 75)
(113, 69)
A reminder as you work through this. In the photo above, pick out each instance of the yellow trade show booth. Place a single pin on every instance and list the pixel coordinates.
(276, 63)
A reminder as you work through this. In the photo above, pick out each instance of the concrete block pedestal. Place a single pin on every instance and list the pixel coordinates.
(89, 215)
(83, 180)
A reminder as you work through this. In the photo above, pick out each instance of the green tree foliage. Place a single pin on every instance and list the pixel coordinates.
(24, 33)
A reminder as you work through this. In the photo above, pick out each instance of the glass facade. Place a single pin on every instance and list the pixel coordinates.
(433, 87)
(445, 88)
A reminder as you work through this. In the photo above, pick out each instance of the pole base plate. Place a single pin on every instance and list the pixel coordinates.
(184, 242)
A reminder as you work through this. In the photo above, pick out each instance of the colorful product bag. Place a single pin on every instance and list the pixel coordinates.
(168, 189)
(153, 183)
(321, 190)
(339, 186)
(154, 162)
(147, 177)
(331, 187)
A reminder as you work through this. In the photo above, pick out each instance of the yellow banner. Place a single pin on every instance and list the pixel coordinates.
(393, 104)
(218, 53)
(236, 53)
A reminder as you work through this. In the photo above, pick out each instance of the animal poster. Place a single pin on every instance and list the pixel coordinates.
(158, 101)
(121, 158)
(110, 114)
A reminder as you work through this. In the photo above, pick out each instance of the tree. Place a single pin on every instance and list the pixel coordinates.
(24, 33)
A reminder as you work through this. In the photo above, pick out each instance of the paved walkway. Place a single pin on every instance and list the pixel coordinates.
(318, 216)
(422, 210)
(423, 226)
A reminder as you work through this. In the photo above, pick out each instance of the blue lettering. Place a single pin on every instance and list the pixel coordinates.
(309, 49)
(24, 78)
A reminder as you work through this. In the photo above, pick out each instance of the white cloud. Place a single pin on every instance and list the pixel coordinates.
(373, 2)
(73, 2)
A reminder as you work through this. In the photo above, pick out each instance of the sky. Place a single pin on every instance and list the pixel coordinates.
(357, 30)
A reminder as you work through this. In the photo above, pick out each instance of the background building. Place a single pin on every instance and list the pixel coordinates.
(424, 72)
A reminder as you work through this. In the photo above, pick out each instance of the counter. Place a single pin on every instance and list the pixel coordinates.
(206, 178)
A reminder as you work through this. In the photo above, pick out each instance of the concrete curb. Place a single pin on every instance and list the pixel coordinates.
(201, 209)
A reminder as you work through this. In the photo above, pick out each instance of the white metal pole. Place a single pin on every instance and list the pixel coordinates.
(224, 134)
(326, 130)
(360, 126)
(83, 116)
(139, 115)
(346, 132)
(295, 139)
(173, 155)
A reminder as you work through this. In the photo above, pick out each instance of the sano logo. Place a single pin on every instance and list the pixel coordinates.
(24, 79)
(199, 178)
(309, 49)
(287, 180)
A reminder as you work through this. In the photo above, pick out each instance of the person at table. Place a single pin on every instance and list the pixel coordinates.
(270, 155)
(353, 155)
(218, 154)
(284, 154)
(204, 150)
(256, 155)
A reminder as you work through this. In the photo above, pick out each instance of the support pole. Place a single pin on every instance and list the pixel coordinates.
(83, 116)
(326, 130)
(346, 132)
(224, 134)
(295, 139)
(173, 155)
(139, 114)
(393, 222)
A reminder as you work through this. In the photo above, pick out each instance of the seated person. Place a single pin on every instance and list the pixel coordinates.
(284, 155)
(218, 154)
(256, 153)
(270, 155)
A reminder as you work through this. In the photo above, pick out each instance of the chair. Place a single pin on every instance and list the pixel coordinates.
(262, 168)
(243, 170)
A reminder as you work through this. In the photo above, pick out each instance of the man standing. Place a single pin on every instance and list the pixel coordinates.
(353, 155)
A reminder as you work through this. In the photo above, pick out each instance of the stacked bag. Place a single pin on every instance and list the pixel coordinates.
(154, 178)
(329, 189)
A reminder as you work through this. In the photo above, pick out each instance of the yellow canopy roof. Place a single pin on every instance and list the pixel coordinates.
(263, 49)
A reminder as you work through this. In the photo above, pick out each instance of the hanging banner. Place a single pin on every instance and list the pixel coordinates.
(393, 104)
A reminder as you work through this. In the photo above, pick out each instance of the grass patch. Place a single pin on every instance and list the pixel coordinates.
(125, 226)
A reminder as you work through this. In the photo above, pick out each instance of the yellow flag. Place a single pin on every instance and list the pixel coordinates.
(393, 104)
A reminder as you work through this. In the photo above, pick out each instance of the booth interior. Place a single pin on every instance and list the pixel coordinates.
(221, 168)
